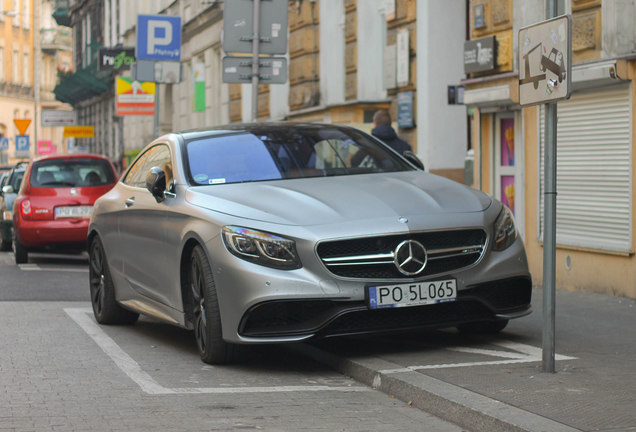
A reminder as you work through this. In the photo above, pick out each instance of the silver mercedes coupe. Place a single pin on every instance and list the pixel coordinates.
(282, 232)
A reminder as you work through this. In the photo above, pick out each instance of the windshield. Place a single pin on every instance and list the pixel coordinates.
(72, 172)
(282, 153)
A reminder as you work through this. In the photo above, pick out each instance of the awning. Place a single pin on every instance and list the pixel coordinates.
(84, 84)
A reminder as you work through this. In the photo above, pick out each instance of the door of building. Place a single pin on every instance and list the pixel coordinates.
(508, 164)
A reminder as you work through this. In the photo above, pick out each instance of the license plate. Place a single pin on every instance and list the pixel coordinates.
(73, 211)
(412, 294)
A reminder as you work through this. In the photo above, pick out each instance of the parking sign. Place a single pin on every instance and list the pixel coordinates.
(21, 143)
(158, 37)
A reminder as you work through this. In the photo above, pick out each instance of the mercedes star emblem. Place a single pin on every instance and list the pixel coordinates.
(410, 257)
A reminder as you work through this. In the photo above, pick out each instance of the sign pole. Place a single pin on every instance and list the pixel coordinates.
(549, 232)
(156, 119)
(36, 80)
(256, 39)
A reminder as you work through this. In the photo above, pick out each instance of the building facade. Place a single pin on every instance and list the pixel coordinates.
(33, 51)
(595, 140)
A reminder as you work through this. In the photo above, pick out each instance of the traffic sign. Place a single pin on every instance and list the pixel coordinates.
(58, 117)
(545, 61)
(271, 70)
(158, 37)
(4, 143)
(22, 125)
(238, 21)
(22, 143)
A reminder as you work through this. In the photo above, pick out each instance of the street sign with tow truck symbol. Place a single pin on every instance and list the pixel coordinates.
(545, 61)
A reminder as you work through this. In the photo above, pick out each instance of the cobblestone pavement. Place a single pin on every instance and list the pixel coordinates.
(55, 377)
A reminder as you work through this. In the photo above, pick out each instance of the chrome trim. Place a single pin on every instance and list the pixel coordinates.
(388, 258)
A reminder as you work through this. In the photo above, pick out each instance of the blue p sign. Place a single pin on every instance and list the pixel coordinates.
(21, 143)
(158, 37)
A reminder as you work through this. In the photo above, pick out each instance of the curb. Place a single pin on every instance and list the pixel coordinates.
(451, 403)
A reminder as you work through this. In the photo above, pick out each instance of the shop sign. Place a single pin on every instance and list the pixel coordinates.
(116, 59)
(480, 55)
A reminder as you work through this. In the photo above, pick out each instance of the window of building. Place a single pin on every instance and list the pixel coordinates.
(16, 65)
(25, 68)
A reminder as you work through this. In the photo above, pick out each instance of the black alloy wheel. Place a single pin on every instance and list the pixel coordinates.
(105, 308)
(206, 317)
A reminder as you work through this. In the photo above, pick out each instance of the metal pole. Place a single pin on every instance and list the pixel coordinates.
(549, 231)
(256, 39)
(36, 81)
(156, 126)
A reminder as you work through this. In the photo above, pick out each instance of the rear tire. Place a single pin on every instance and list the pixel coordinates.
(105, 307)
(206, 317)
(483, 327)
(21, 253)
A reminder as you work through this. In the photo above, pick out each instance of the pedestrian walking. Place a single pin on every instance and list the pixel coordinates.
(385, 132)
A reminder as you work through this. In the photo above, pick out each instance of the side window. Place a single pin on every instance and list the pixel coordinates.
(158, 155)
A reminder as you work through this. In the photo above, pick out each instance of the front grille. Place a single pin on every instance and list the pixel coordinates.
(373, 257)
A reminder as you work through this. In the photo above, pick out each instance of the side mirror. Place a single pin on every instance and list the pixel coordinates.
(156, 183)
(7, 189)
(411, 157)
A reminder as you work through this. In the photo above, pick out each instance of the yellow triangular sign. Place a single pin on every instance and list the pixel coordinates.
(22, 125)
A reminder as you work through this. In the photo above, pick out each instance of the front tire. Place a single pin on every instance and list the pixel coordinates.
(206, 317)
(105, 307)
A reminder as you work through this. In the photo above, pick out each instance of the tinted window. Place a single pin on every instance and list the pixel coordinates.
(72, 172)
(271, 154)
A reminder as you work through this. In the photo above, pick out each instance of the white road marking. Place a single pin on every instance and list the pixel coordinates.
(36, 267)
(524, 354)
(131, 368)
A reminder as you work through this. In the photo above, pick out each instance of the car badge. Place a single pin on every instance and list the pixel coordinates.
(73, 191)
(410, 257)
(403, 220)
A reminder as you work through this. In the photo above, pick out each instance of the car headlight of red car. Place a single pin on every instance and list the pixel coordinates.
(505, 230)
(261, 248)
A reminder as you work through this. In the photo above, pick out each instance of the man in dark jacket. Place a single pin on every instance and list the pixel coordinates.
(384, 131)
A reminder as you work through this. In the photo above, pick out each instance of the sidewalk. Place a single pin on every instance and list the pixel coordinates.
(593, 389)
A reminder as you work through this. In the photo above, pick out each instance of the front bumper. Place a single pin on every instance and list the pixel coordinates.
(503, 299)
(264, 305)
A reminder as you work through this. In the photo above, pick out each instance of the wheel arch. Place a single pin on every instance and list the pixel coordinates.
(184, 267)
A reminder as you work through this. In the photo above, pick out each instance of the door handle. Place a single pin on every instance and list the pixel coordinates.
(130, 202)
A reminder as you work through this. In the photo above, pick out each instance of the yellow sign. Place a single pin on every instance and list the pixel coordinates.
(79, 131)
(22, 125)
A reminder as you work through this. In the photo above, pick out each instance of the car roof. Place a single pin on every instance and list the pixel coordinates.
(255, 127)
(70, 156)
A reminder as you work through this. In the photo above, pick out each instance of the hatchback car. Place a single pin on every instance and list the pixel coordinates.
(270, 233)
(10, 188)
(55, 202)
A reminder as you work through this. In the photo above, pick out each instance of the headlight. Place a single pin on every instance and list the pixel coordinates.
(261, 248)
(505, 230)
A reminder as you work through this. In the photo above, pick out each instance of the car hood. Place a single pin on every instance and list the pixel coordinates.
(327, 200)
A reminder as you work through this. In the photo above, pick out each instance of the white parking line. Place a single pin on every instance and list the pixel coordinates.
(524, 354)
(131, 368)
(36, 267)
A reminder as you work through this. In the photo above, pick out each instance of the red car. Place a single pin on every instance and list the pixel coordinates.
(53, 208)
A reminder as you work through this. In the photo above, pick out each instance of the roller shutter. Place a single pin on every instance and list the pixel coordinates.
(594, 170)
